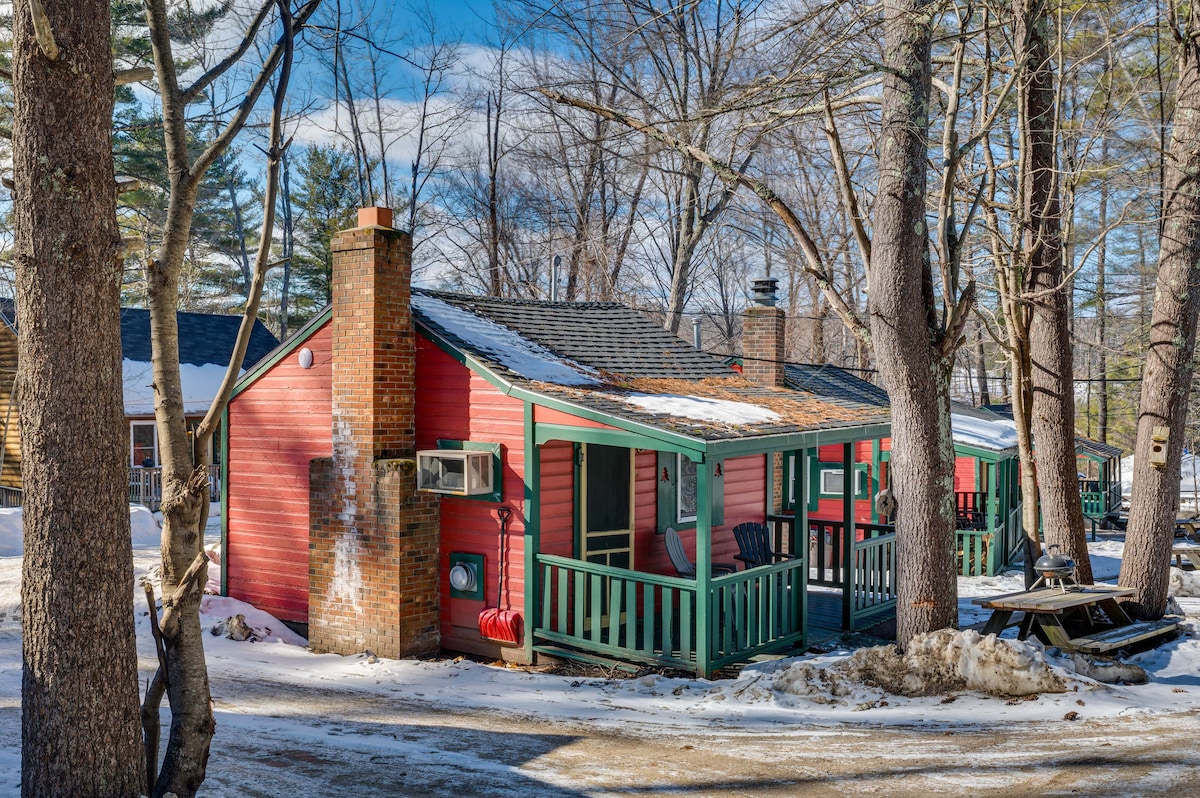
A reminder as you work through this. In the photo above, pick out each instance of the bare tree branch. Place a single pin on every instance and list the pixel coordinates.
(205, 80)
(42, 30)
(815, 265)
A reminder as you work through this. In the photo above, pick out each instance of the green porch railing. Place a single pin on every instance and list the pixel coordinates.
(825, 543)
(874, 578)
(987, 552)
(1097, 499)
(870, 589)
(650, 618)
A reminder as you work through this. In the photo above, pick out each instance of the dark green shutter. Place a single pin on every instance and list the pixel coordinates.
(664, 478)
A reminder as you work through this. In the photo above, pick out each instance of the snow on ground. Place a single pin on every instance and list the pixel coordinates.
(955, 681)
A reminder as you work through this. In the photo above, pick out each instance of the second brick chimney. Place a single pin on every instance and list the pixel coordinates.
(763, 351)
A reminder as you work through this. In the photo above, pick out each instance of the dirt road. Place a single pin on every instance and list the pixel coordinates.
(335, 743)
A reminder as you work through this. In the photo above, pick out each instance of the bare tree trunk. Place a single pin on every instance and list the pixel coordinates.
(1167, 375)
(79, 692)
(1051, 356)
(1102, 303)
(981, 375)
(494, 101)
(289, 242)
(185, 479)
(915, 368)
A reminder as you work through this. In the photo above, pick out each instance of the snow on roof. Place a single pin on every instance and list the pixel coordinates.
(517, 353)
(200, 384)
(700, 408)
(998, 434)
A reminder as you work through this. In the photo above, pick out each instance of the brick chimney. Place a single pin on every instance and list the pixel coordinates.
(763, 352)
(373, 543)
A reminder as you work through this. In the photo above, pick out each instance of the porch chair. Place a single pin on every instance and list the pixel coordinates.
(754, 544)
(683, 566)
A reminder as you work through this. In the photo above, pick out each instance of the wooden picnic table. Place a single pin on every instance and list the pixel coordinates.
(1049, 610)
(1189, 551)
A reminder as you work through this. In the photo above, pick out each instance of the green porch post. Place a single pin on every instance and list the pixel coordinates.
(704, 654)
(532, 505)
(993, 524)
(848, 536)
(876, 459)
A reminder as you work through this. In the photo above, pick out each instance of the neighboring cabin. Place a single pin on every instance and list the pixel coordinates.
(205, 344)
(591, 429)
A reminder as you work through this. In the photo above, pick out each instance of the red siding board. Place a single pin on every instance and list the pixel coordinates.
(269, 453)
(453, 403)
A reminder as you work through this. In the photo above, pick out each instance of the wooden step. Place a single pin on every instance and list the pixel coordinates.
(1123, 635)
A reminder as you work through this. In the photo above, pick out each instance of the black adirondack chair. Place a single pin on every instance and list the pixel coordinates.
(754, 543)
(683, 566)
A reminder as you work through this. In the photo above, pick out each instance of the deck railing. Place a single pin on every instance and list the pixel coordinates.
(641, 617)
(987, 552)
(874, 579)
(10, 497)
(145, 485)
(1098, 499)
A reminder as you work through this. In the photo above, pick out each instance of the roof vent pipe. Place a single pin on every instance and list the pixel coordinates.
(696, 333)
(554, 278)
(763, 289)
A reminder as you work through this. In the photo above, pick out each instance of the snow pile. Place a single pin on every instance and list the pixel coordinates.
(218, 614)
(145, 529)
(940, 662)
(1184, 584)
(699, 408)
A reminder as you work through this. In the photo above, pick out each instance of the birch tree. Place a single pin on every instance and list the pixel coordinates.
(182, 673)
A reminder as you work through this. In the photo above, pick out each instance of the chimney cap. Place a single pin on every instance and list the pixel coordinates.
(763, 291)
(375, 216)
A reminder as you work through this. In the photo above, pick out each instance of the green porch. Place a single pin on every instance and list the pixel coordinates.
(1099, 467)
(989, 535)
(593, 608)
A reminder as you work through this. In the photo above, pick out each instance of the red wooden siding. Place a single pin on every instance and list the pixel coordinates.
(276, 426)
(745, 499)
(453, 403)
(964, 474)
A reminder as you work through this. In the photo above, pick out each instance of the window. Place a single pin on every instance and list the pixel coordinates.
(833, 481)
(678, 491)
(143, 444)
(460, 473)
(685, 490)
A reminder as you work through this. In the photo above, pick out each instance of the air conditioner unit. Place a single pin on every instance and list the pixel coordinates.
(458, 472)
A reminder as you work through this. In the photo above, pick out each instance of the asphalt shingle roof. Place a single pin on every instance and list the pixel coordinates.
(619, 354)
(607, 336)
(203, 337)
(833, 382)
(1096, 448)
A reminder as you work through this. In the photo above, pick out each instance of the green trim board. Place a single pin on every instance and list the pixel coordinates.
(533, 513)
(497, 495)
(286, 348)
(224, 501)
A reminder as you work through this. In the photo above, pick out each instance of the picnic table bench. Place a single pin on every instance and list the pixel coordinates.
(1188, 551)
(1049, 610)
